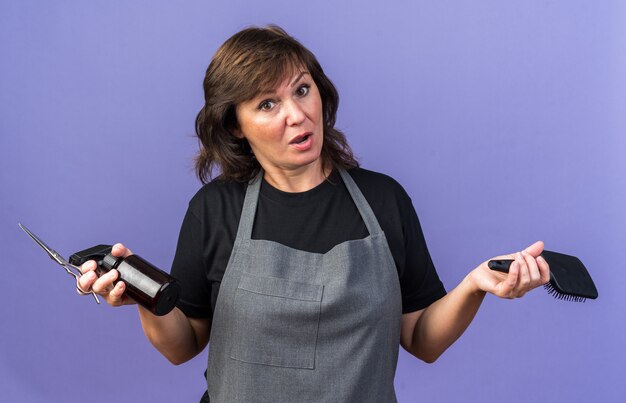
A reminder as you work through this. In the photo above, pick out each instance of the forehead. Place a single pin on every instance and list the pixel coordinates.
(269, 75)
(287, 80)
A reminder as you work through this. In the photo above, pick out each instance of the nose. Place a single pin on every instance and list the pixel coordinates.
(294, 113)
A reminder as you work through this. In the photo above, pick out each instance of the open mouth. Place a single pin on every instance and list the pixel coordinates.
(300, 139)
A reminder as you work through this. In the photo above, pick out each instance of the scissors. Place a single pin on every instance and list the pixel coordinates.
(71, 269)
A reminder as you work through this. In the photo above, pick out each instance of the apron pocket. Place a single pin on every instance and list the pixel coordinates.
(276, 321)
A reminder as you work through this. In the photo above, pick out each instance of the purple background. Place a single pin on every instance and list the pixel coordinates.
(505, 122)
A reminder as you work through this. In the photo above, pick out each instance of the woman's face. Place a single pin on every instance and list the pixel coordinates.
(285, 126)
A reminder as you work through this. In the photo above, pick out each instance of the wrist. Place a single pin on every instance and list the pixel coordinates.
(471, 286)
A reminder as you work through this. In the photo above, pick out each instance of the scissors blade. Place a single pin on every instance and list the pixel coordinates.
(60, 260)
(51, 252)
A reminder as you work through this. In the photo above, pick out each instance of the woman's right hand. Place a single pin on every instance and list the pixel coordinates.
(103, 285)
(174, 335)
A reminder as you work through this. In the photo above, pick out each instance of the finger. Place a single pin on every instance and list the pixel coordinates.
(533, 269)
(116, 296)
(508, 285)
(510, 256)
(535, 249)
(120, 250)
(105, 282)
(86, 280)
(89, 265)
(544, 270)
(524, 276)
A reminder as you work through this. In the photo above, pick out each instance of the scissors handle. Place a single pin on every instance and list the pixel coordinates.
(81, 292)
(75, 272)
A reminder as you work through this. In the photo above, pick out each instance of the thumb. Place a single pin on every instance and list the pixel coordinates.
(120, 250)
(535, 249)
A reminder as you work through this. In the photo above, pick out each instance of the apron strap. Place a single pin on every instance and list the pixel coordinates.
(244, 232)
(371, 223)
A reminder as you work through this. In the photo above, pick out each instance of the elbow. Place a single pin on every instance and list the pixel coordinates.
(174, 354)
(177, 356)
(429, 357)
(176, 361)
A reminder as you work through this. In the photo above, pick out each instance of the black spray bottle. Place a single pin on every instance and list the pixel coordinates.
(147, 285)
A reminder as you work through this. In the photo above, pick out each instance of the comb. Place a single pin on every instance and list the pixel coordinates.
(569, 279)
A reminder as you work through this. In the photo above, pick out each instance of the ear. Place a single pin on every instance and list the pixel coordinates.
(232, 123)
(235, 131)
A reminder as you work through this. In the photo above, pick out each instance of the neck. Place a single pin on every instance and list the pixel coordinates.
(297, 180)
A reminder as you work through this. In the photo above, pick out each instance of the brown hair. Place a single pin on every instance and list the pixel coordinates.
(249, 62)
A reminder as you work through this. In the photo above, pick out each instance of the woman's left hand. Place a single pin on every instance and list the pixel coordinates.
(528, 270)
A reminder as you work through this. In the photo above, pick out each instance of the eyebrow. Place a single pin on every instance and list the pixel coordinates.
(273, 90)
(298, 78)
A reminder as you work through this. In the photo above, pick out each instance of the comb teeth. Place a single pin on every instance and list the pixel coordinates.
(559, 295)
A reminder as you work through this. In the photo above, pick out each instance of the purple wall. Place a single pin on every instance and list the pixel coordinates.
(503, 120)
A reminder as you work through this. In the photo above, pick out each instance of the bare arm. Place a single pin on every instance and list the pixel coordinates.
(176, 336)
(429, 332)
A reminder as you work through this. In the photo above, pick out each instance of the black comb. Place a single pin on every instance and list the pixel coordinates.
(569, 279)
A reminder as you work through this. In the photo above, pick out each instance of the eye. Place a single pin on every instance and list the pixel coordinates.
(266, 105)
(303, 90)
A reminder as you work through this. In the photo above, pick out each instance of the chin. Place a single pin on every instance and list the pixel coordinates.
(307, 161)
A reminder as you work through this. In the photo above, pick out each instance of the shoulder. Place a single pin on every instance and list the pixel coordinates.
(216, 197)
(369, 178)
(379, 187)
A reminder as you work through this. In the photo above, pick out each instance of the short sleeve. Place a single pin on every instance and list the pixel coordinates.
(189, 269)
(419, 281)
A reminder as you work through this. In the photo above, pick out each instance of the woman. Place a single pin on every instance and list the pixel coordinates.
(306, 271)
